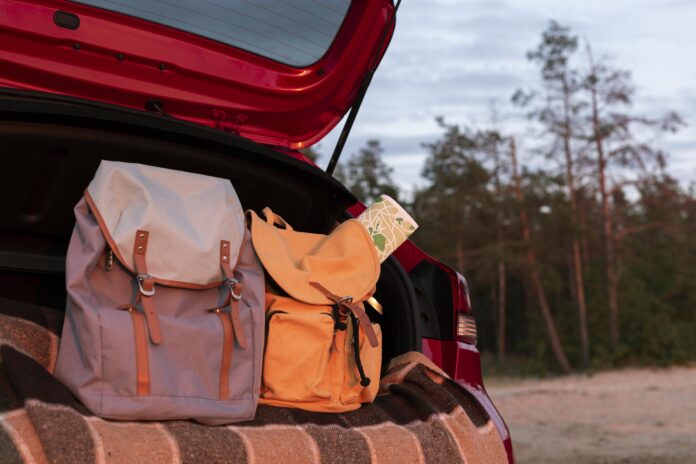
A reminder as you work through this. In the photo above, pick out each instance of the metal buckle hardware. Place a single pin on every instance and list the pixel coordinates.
(232, 282)
(344, 310)
(140, 279)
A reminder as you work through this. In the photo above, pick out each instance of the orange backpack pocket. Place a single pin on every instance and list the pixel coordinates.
(296, 360)
(310, 361)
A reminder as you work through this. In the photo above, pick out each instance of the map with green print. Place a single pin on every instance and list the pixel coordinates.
(388, 224)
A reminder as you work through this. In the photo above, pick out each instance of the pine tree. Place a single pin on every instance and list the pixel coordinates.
(532, 264)
(455, 203)
(557, 111)
(367, 175)
(613, 133)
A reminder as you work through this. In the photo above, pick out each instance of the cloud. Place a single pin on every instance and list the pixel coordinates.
(452, 57)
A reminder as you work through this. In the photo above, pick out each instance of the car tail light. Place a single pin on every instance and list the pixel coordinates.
(465, 323)
(466, 328)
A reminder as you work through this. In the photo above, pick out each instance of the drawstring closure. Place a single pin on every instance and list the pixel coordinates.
(338, 323)
(364, 380)
(344, 307)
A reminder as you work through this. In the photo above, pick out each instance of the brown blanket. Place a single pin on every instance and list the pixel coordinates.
(419, 416)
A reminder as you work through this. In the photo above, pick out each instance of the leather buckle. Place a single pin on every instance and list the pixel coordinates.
(232, 282)
(141, 278)
(342, 305)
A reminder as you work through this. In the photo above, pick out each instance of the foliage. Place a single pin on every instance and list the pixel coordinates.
(607, 191)
(367, 175)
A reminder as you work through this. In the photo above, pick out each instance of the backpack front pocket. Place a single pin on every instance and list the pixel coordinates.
(125, 352)
(298, 346)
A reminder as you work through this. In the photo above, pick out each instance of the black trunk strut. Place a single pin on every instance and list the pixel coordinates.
(359, 97)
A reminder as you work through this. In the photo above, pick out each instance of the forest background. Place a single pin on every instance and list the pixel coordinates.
(579, 247)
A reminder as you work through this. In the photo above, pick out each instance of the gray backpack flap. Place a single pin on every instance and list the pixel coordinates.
(165, 311)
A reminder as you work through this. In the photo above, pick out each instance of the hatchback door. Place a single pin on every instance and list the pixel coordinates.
(279, 72)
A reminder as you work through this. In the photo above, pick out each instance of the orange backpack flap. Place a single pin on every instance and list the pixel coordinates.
(344, 261)
(322, 352)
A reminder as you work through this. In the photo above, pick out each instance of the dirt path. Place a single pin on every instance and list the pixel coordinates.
(627, 416)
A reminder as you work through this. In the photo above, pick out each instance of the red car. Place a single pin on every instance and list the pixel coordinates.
(230, 88)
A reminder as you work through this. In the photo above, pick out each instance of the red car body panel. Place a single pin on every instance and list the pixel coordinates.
(122, 60)
(126, 61)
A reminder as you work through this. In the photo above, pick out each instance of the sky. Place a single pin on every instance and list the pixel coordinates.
(452, 58)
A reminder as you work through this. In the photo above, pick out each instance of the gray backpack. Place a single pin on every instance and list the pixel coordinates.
(165, 313)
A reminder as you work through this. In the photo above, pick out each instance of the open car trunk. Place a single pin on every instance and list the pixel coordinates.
(51, 147)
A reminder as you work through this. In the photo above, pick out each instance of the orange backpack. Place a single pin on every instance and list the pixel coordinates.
(322, 352)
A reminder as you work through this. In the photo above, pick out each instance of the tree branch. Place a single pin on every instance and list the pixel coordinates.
(634, 230)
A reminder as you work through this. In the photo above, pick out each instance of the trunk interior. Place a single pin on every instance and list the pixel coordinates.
(51, 147)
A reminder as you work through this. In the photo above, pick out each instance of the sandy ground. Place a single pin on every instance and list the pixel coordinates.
(626, 416)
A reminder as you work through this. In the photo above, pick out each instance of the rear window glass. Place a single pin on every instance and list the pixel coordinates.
(294, 32)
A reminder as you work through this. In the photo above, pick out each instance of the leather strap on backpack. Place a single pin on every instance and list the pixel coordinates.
(358, 318)
(228, 334)
(347, 302)
(235, 293)
(142, 363)
(227, 348)
(146, 285)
